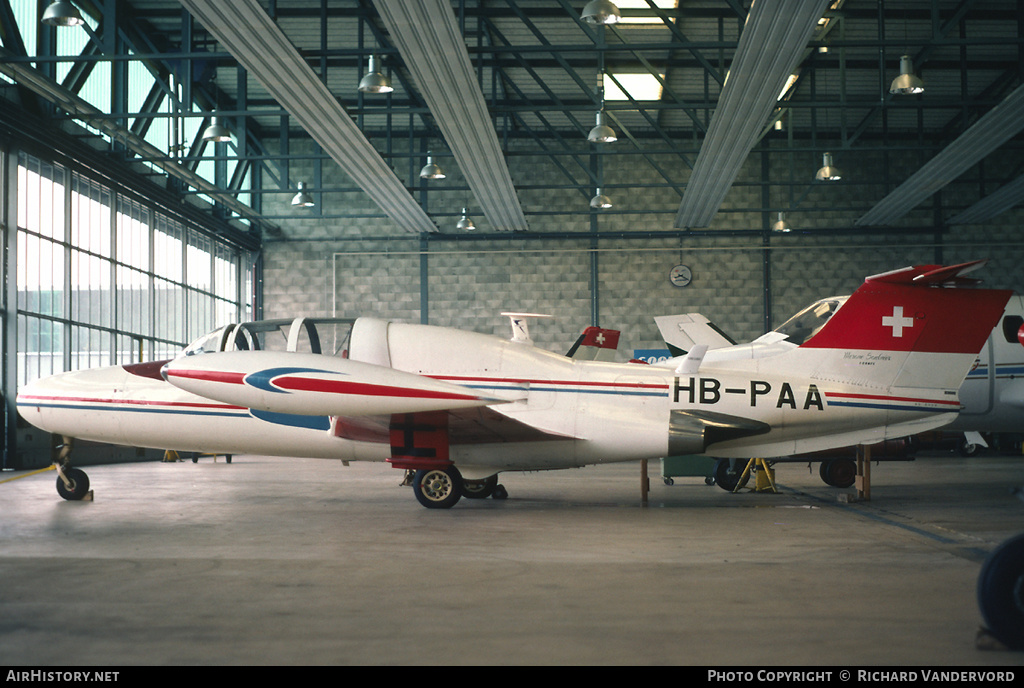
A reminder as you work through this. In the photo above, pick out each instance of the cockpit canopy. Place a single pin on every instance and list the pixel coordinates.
(307, 335)
(810, 320)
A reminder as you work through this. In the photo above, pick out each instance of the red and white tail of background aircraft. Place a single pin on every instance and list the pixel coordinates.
(458, 408)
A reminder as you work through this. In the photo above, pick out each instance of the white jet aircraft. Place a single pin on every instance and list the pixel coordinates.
(458, 408)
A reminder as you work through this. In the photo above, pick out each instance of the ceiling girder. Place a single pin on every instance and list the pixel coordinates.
(434, 50)
(262, 48)
(987, 134)
(773, 40)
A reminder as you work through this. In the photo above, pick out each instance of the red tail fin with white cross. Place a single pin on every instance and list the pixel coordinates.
(923, 319)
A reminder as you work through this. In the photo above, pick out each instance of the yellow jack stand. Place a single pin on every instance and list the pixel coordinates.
(765, 476)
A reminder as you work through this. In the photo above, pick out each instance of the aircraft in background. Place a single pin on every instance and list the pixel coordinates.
(991, 396)
(458, 408)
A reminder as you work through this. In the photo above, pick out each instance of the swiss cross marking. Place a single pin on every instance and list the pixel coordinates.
(897, 321)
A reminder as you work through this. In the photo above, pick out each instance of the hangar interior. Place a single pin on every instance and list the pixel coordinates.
(128, 233)
(170, 166)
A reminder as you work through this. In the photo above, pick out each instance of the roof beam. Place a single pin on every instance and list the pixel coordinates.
(85, 111)
(991, 131)
(773, 41)
(262, 48)
(434, 51)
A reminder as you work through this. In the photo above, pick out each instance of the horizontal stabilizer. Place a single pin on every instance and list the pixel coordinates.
(692, 431)
(682, 332)
(931, 274)
(314, 385)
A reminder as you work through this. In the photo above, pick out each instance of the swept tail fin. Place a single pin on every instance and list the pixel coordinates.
(914, 327)
(595, 344)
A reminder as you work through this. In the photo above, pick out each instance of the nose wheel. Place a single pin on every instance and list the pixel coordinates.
(72, 483)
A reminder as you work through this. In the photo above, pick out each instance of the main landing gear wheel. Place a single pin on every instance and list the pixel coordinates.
(1001, 592)
(437, 488)
(479, 489)
(728, 474)
(77, 487)
(838, 472)
(967, 448)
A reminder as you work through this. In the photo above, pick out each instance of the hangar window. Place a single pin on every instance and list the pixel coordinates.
(103, 278)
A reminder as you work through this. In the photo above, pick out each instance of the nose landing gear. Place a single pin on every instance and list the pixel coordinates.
(72, 483)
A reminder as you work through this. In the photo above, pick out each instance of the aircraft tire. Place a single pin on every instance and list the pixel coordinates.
(437, 488)
(79, 485)
(727, 476)
(838, 472)
(968, 449)
(1001, 592)
(479, 489)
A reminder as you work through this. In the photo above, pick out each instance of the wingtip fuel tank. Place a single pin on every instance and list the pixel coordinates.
(314, 385)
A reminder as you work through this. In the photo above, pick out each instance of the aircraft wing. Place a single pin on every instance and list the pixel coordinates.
(479, 425)
(682, 332)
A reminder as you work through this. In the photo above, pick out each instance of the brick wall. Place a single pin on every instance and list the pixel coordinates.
(321, 269)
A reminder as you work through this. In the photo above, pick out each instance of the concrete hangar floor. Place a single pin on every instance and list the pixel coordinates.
(298, 562)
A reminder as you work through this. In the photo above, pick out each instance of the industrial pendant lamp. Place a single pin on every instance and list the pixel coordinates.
(431, 170)
(828, 173)
(781, 225)
(907, 83)
(600, 201)
(302, 198)
(61, 13)
(216, 132)
(600, 12)
(602, 133)
(375, 81)
(464, 223)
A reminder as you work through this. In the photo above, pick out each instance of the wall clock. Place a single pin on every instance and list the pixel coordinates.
(680, 276)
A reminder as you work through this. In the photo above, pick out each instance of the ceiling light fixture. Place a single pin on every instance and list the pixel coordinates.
(375, 81)
(431, 170)
(781, 225)
(601, 12)
(602, 133)
(828, 173)
(216, 132)
(61, 13)
(907, 83)
(464, 223)
(600, 201)
(302, 198)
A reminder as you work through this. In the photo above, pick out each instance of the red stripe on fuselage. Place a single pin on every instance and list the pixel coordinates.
(312, 384)
(540, 381)
(128, 402)
(209, 376)
(876, 397)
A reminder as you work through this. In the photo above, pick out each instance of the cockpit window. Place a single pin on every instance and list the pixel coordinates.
(306, 335)
(208, 343)
(807, 322)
